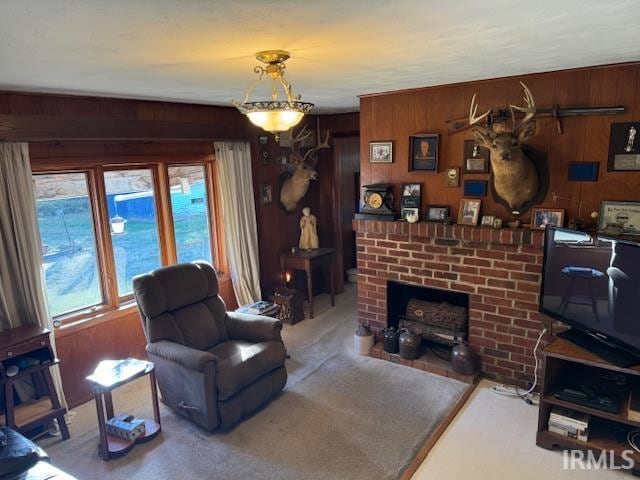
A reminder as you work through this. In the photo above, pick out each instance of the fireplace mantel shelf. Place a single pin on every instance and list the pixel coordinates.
(445, 234)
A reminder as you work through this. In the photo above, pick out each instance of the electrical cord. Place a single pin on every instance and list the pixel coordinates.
(513, 390)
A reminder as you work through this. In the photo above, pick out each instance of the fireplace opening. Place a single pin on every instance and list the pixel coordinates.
(440, 317)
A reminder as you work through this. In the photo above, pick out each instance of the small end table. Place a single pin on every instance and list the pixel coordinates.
(307, 261)
(109, 375)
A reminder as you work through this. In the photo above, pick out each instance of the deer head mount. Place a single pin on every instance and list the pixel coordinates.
(515, 176)
(303, 166)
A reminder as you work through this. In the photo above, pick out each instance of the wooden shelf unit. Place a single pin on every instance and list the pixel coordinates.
(30, 341)
(607, 430)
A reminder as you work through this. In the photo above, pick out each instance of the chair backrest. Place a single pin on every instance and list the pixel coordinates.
(180, 303)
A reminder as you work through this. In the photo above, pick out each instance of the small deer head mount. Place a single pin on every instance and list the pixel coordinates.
(295, 186)
(515, 176)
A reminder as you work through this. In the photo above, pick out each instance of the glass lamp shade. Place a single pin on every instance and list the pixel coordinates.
(275, 120)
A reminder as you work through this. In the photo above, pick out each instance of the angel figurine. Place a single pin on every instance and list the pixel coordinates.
(308, 232)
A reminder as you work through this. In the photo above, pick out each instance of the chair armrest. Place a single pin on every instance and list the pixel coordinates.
(182, 355)
(253, 328)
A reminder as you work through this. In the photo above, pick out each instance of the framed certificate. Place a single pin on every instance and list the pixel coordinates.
(620, 216)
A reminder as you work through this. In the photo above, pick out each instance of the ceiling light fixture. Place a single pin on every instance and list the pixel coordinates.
(273, 115)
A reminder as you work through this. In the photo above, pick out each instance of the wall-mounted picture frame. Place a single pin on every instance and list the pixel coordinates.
(266, 193)
(497, 222)
(476, 158)
(381, 152)
(623, 217)
(624, 147)
(263, 139)
(469, 212)
(475, 188)
(411, 195)
(405, 211)
(583, 171)
(424, 152)
(543, 217)
(452, 177)
(266, 159)
(487, 220)
(438, 213)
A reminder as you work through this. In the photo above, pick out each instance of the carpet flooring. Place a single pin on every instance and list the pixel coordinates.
(341, 416)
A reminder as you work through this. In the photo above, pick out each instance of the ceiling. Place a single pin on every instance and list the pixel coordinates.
(201, 51)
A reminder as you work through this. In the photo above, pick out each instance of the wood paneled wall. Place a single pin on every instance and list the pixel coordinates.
(83, 127)
(397, 115)
(119, 336)
(278, 231)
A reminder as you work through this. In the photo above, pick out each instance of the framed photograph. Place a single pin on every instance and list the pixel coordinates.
(266, 193)
(409, 211)
(543, 217)
(583, 171)
(424, 152)
(263, 139)
(380, 152)
(411, 195)
(469, 213)
(624, 216)
(475, 188)
(452, 178)
(488, 220)
(438, 213)
(497, 223)
(624, 147)
(476, 158)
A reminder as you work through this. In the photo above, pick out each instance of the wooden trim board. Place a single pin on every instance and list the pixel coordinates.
(437, 433)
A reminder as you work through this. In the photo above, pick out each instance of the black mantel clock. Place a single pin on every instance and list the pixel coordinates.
(378, 203)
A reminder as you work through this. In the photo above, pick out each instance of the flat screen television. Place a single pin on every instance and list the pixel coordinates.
(592, 283)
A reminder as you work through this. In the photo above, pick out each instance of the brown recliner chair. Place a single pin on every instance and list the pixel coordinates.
(213, 366)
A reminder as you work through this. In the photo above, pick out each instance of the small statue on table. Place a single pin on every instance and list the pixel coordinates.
(308, 232)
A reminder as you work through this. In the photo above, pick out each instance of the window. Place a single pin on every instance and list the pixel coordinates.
(133, 225)
(69, 255)
(102, 225)
(189, 207)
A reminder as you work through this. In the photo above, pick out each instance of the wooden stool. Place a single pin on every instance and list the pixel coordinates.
(571, 298)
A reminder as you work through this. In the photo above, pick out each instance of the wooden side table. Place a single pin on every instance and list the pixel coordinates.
(109, 375)
(307, 261)
(29, 346)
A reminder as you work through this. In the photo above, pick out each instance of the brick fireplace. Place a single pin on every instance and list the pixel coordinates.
(499, 270)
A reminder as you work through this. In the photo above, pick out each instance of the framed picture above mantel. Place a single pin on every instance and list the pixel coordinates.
(624, 147)
(476, 158)
(424, 150)
(381, 152)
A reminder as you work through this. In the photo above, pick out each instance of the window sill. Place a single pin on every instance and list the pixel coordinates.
(73, 326)
(129, 308)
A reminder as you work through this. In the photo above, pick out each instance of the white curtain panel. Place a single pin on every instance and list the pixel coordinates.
(22, 294)
(239, 218)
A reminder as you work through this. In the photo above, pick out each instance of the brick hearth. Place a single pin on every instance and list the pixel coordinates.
(499, 269)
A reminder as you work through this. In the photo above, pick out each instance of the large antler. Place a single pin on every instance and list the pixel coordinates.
(311, 153)
(296, 141)
(473, 110)
(529, 110)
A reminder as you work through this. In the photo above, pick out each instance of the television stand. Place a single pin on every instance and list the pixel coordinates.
(612, 355)
(561, 363)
